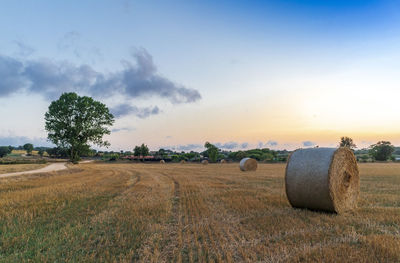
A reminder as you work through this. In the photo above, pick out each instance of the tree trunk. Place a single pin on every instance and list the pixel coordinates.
(74, 156)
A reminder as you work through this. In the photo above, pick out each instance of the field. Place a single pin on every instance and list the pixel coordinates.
(18, 153)
(21, 152)
(12, 168)
(191, 213)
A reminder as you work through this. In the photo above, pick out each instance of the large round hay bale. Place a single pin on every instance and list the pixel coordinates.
(248, 164)
(204, 162)
(162, 161)
(323, 179)
(183, 161)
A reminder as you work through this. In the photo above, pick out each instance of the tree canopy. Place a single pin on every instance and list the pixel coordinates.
(74, 122)
(347, 142)
(28, 147)
(141, 150)
(382, 150)
(4, 150)
(212, 152)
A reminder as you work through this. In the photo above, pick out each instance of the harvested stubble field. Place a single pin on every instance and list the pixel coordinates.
(12, 168)
(191, 213)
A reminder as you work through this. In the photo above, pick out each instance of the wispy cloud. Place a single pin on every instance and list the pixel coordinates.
(244, 145)
(271, 143)
(122, 129)
(24, 50)
(185, 147)
(21, 140)
(308, 144)
(73, 42)
(227, 145)
(127, 109)
(136, 80)
(189, 147)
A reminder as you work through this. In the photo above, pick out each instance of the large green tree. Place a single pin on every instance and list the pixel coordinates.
(144, 150)
(73, 122)
(28, 147)
(212, 151)
(137, 151)
(141, 150)
(382, 150)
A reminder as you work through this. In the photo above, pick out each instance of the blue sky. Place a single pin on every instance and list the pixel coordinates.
(295, 73)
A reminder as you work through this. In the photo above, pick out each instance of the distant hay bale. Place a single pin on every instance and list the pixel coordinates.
(162, 161)
(223, 161)
(248, 164)
(183, 161)
(204, 162)
(323, 179)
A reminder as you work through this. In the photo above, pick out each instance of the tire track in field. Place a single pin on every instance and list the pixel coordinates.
(171, 251)
(196, 243)
(190, 236)
(113, 204)
(176, 196)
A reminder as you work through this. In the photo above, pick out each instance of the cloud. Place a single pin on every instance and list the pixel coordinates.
(69, 40)
(142, 80)
(271, 143)
(227, 145)
(122, 129)
(188, 147)
(21, 140)
(52, 79)
(74, 42)
(10, 76)
(126, 109)
(244, 145)
(24, 50)
(137, 79)
(230, 145)
(308, 143)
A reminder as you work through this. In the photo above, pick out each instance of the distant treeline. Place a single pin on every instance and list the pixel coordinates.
(262, 155)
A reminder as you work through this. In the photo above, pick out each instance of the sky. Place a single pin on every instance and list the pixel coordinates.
(240, 74)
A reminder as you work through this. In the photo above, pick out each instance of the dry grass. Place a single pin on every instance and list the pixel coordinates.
(18, 152)
(191, 213)
(22, 152)
(12, 168)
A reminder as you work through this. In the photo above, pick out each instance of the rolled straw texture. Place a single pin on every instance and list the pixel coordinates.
(248, 164)
(323, 179)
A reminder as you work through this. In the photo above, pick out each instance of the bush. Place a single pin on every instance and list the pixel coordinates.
(4, 150)
(112, 157)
